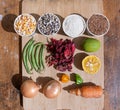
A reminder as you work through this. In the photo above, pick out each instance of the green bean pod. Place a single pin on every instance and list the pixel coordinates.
(41, 64)
(33, 56)
(30, 55)
(37, 55)
(25, 55)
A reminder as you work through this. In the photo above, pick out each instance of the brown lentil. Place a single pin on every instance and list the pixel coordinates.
(98, 24)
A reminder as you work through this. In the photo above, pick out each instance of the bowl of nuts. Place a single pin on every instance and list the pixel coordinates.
(49, 24)
(25, 25)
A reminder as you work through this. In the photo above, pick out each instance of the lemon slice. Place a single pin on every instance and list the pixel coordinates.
(91, 64)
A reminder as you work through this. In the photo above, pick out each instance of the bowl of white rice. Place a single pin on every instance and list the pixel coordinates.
(74, 25)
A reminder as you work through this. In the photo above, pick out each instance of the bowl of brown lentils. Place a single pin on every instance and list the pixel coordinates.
(98, 25)
(49, 24)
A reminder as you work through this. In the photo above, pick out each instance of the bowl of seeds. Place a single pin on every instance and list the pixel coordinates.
(48, 24)
(98, 25)
(25, 25)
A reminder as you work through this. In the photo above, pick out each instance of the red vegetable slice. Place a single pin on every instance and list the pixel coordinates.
(61, 54)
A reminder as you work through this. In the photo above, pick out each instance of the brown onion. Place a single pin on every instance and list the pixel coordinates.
(52, 89)
(29, 89)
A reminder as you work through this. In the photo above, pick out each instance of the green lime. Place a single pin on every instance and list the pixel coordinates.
(91, 45)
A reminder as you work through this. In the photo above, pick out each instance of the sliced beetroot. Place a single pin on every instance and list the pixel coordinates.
(61, 54)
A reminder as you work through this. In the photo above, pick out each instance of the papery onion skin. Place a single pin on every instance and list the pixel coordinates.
(29, 89)
(52, 89)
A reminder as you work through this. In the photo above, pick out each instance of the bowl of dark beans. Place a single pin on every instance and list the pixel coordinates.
(48, 24)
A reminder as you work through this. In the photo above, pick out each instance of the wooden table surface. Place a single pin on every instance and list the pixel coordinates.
(10, 59)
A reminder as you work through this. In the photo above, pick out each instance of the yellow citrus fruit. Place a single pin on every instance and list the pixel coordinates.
(91, 64)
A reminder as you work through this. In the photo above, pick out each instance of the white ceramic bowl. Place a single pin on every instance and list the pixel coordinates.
(48, 24)
(25, 25)
(74, 25)
(106, 31)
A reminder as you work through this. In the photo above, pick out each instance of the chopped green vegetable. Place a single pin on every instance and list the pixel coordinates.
(78, 79)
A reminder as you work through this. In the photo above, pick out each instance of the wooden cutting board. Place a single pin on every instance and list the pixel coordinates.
(64, 101)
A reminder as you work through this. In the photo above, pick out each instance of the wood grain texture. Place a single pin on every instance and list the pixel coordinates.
(112, 56)
(65, 100)
(9, 56)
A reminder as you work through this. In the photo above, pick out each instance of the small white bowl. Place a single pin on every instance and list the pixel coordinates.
(74, 25)
(98, 35)
(43, 25)
(25, 25)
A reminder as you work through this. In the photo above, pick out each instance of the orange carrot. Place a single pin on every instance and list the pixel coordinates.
(88, 91)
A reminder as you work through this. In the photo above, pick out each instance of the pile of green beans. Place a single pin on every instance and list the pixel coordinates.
(33, 56)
